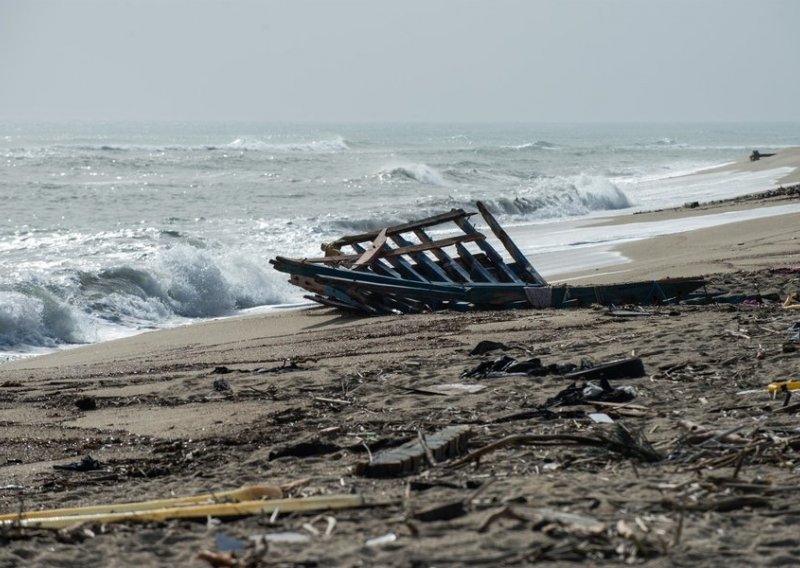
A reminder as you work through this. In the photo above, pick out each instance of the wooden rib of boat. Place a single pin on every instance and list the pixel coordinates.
(409, 269)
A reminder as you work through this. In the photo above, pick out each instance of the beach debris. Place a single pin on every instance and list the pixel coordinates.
(403, 269)
(245, 493)
(783, 386)
(446, 389)
(311, 445)
(86, 463)
(284, 537)
(505, 365)
(382, 540)
(221, 385)
(286, 365)
(502, 366)
(189, 508)
(218, 559)
(792, 302)
(442, 512)
(487, 346)
(630, 368)
(415, 454)
(600, 418)
(226, 543)
(86, 403)
(619, 439)
(756, 155)
(590, 392)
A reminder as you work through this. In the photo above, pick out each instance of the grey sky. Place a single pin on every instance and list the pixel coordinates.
(409, 60)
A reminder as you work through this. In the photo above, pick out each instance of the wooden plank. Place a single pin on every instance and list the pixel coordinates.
(455, 270)
(528, 271)
(413, 456)
(377, 265)
(422, 223)
(371, 254)
(406, 248)
(493, 255)
(473, 264)
(421, 258)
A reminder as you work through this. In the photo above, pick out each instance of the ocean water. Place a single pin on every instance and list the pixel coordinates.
(111, 229)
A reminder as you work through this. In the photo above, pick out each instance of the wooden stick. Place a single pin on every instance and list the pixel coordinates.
(316, 503)
(246, 493)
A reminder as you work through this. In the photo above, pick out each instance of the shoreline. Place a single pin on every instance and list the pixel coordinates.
(301, 397)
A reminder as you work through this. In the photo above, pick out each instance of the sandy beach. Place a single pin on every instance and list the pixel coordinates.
(303, 396)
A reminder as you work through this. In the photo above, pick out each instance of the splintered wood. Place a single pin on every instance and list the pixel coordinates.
(412, 456)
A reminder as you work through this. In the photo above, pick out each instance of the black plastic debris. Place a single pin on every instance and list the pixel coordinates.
(533, 367)
(591, 392)
(221, 371)
(86, 403)
(487, 346)
(87, 463)
(632, 368)
(221, 385)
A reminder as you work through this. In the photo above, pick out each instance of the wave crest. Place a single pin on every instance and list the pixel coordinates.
(421, 173)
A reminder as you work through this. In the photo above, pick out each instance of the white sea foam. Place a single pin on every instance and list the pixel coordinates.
(421, 173)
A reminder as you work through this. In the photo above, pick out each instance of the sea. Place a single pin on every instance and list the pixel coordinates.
(112, 229)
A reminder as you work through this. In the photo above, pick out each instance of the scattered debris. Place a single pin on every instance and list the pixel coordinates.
(587, 393)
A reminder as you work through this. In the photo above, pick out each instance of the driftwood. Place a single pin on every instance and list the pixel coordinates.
(412, 456)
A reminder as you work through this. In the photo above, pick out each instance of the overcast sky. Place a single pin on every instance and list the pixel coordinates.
(401, 60)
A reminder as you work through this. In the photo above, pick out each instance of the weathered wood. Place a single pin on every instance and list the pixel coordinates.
(526, 269)
(371, 254)
(377, 264)
(421, 259)
(406, 248)
(492, 254)
(475, 267)
(422, 223)
(451, 266)
(412, 456)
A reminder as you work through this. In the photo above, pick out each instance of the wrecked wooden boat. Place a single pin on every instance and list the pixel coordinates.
(408, 269)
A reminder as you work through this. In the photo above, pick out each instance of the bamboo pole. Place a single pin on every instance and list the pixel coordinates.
(303, 504)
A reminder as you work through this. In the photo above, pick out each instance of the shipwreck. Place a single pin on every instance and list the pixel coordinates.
(404, 269)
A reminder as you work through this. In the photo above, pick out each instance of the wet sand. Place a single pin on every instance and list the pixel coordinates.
(721, 490)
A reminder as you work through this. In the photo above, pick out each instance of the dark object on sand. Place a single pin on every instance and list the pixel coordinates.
(632, 368)
(402, 269)
(412, 456)
(87, 463)
(86, 403)
(756, 155)
(221, 385)
(586, 393)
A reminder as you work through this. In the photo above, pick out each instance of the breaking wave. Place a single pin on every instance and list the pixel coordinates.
(178, 284)
(538, 145)
(421, 173)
